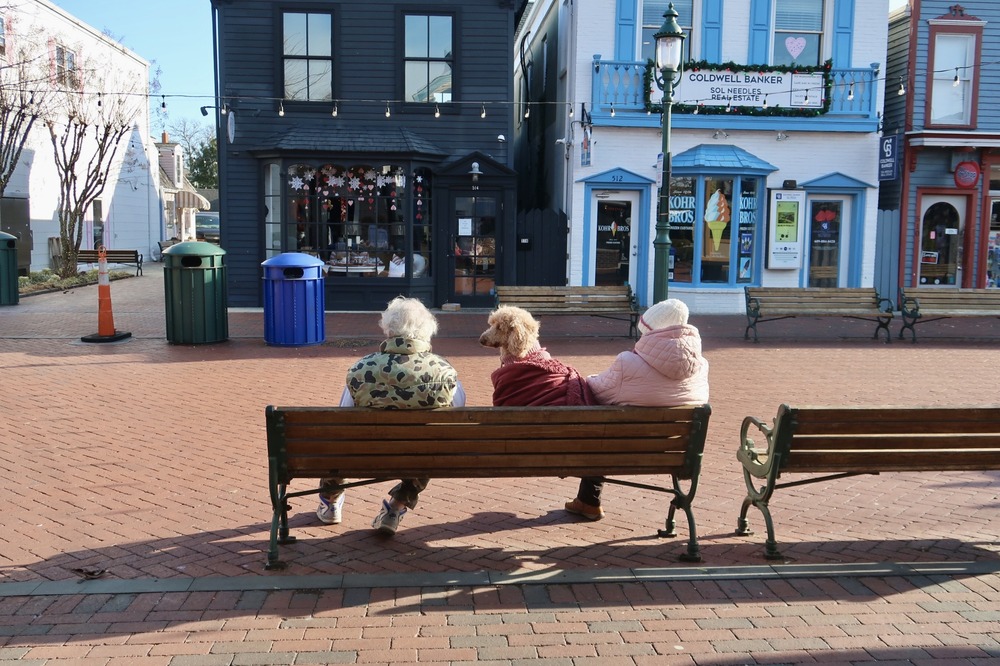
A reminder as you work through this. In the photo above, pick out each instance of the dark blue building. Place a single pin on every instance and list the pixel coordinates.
(373, 136)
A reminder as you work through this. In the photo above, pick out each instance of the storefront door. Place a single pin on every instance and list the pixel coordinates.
(828, 242)
(475, 218)
(942, 227)
(615, 245)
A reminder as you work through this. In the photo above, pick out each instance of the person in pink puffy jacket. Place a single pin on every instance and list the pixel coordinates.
(664, 369)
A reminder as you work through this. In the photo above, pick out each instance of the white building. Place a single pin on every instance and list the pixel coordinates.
(776, 98)
(127, 214)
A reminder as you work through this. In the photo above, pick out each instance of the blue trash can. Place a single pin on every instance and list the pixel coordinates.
(294, 300)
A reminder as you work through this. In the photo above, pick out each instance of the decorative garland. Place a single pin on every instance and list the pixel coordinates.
(776, 110)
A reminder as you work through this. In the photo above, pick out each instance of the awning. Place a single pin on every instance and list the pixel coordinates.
(190, 199)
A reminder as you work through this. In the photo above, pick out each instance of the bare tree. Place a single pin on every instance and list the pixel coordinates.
(23, 96)
(86, 140)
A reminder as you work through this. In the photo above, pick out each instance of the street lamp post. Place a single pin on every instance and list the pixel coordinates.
(669, 43)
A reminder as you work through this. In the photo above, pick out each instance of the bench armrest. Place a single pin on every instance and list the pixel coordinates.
(757, 463)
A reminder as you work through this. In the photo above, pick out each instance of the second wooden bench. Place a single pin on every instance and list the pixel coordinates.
(602, 301)
(837, 442)
(920, 305)
(376, 445)
(774, 303)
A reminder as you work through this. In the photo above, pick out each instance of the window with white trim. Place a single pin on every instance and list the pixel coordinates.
(652, 21)
(307, 56)
(798, 32)
(65, 67)
(3, 36)
(952, 76)
(428, 58)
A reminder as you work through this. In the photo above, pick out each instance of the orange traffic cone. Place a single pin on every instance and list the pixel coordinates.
(105, 318)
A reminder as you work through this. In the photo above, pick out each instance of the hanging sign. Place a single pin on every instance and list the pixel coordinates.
(784, 247)
(967, 174)
(888, 158)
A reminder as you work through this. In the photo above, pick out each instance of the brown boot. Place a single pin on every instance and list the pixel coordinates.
(588, 511)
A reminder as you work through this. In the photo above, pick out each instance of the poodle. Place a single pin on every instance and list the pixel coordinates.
(512, 330)
(528, 375)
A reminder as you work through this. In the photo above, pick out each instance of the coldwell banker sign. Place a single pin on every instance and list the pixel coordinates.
(777, 89)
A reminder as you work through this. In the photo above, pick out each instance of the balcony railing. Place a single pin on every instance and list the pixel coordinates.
(618, 99)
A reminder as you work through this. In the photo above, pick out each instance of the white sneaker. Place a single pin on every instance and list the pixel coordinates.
(330, 513)
(387, 520)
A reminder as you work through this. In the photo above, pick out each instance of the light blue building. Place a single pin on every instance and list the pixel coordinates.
(777, 110)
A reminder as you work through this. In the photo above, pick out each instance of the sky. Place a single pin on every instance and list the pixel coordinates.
(175, 36)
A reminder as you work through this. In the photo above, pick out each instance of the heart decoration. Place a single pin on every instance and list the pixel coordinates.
(795, 46)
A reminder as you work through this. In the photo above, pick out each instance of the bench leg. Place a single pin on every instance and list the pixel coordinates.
(771, 551)
(279, 529)
(883, 325)
(693, 553)
(682, 501)
(751, 324)
(908, 323)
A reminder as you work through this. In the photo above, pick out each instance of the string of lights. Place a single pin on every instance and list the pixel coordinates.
(234, 103)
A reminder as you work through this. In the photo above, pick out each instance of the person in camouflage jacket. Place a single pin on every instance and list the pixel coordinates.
(403, 374)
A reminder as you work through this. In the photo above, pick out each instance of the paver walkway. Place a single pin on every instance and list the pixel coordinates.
(145, 461)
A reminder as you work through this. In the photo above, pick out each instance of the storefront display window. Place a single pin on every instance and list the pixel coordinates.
(713, 232)
(682, 202)
(716, 229)
(352, 217)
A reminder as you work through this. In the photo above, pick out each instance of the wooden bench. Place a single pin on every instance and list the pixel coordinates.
(128, 257)
(838, 442)
(484, 442)
(774, 303)
(163, 245)
(919, 305)
(602, 301)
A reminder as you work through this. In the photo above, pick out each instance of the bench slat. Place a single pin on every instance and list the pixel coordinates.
(452, 466)
(903, 460)
(491, 445)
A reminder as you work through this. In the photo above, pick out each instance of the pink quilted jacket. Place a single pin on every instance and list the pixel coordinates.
(665, 368)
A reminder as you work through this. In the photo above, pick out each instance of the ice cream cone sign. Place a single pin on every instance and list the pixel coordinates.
(717, 216)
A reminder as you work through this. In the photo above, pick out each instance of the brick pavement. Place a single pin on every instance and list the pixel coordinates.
(94, 472)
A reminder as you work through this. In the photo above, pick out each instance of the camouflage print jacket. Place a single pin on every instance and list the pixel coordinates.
(403, 374)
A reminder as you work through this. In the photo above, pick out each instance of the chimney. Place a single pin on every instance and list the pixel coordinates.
(166, 138)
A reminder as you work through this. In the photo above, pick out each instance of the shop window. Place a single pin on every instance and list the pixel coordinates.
(798, 32)
(940, 245)
(713, 231)
(354, 218)
(307, 56)
(428, 58)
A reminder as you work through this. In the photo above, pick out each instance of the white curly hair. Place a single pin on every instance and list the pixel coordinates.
(408, 318)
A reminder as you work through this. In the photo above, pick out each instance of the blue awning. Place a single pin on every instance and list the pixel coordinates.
(719, 159)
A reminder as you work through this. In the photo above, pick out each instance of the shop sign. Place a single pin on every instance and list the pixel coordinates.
(780, 89)
(967, 174)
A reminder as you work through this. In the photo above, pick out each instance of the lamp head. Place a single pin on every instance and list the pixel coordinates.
(669, 40)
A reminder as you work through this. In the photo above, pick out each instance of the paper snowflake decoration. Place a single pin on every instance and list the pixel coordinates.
(370, 174)
(296, 183)
(355, 183)
(337, 181)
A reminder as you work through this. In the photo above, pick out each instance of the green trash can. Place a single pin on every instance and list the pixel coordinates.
(8, 270)
(194, 282)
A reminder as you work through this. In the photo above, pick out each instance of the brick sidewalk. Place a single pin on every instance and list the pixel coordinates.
(96, 468)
